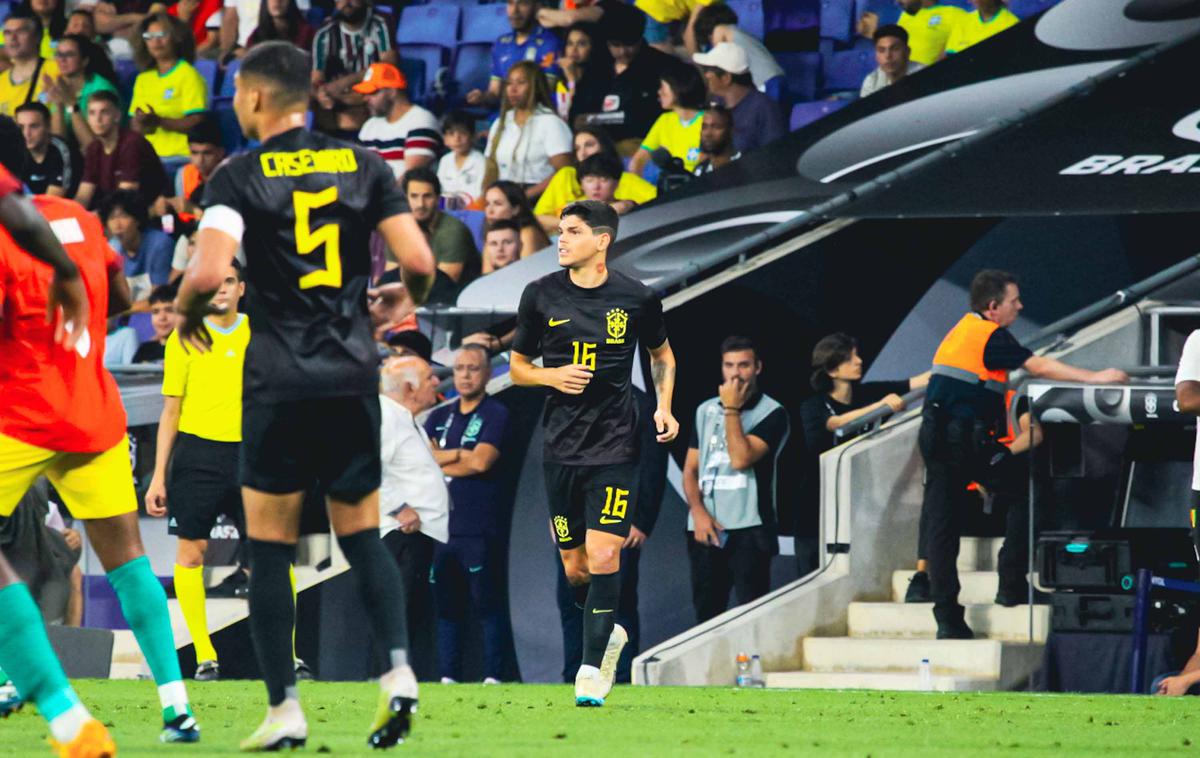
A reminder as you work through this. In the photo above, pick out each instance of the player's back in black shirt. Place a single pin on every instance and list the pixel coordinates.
(309, 203)
(599, 327)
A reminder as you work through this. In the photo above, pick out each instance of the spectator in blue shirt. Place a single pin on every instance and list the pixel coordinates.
(527, 42)
(147, 251)
(468, 439)
(757, 119)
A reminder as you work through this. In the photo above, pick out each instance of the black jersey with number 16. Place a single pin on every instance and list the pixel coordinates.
(309, 203)
(600, 328)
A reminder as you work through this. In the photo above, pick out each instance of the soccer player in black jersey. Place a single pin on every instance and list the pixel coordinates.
(586, 321)
(302, 205)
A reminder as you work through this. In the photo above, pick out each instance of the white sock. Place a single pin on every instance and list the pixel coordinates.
(65, 726)
(287, 710)
(591, 671)
(173, 695)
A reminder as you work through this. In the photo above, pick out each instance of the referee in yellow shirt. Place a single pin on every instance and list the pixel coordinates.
(196, 468)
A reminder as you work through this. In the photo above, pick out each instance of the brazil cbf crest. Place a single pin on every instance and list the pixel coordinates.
(616, 320)
(562, 528)
(472, 430)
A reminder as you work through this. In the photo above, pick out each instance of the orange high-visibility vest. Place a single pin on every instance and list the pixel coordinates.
(190, 176)
(960, 356)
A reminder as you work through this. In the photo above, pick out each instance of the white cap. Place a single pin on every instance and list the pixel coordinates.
(727, 56)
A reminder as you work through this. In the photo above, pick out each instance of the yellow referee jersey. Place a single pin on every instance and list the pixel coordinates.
(209, 383)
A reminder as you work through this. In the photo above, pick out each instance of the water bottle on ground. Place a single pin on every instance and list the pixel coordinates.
(924, 676)
(756, 673)
(743, 670)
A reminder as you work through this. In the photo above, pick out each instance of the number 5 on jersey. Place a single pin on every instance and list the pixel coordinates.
(585, 354)
(309, 239)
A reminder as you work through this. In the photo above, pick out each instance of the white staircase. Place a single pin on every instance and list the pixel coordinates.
(887, 640)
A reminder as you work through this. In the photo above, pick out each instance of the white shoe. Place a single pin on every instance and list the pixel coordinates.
(397, 706)
(286, 728)
(589, 689)
(448, 680)
(491, 680)
(612, 654)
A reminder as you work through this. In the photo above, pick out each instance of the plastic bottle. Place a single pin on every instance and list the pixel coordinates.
(756, 673)
(743, 670)
(925, 676)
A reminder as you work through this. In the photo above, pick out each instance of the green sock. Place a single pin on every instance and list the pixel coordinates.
(26, 654)
(144, 605)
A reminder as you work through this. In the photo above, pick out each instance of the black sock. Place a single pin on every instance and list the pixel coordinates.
(581, 594)
(272, 616)
(603, 595)
(382, 591)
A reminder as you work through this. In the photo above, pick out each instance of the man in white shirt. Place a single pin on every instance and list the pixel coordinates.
(1187, 393)
(238, 19)
(891, 58)
(414, 503)
(404, 134)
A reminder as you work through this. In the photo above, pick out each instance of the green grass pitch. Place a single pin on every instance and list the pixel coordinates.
(541, 720)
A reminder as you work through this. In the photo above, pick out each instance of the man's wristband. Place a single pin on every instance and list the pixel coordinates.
(731, 410)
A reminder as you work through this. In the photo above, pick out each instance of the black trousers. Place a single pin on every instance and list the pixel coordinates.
(571, 618)
(743, 566)
(414, 556)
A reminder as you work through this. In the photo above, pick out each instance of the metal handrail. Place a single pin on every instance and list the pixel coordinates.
(877, 417)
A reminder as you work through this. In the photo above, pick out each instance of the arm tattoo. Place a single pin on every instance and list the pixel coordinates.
(662, 374)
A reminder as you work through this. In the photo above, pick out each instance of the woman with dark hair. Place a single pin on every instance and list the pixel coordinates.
(528, 142)
(169, 96)
(564, 187)
(506, 200)
(841, 399)
(53, 15)
(281, 20)
(584, 56)
(681, 93)
(83, 68)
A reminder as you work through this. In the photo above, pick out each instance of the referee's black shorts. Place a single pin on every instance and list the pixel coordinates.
(202, 485)
(331, 443)
(602, 497)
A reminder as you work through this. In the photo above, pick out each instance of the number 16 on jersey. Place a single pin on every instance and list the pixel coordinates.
(585, 354)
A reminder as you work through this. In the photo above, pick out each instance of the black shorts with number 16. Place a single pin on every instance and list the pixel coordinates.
(590, 497)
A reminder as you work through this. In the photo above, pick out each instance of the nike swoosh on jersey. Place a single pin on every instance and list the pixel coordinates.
(604, 520)
(597, 610)
(558, 321)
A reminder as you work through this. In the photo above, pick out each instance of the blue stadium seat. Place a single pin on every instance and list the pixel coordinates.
(227, 83)
(416, 73)
(483, 25)
(1027, 8)
(887, 10)
(5, 9)
(429, 25)
(472, 67)
(964, 4)
(837, 19)
(802, 71)
(806, 113)
(230, 129)
(750, 16)
(316, 16)
(846, 69)
(209, 70)
(126, 71)
(475, 222)
(791, 15)
(427, 33)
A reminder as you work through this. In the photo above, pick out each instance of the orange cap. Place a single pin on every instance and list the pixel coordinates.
(381, 76)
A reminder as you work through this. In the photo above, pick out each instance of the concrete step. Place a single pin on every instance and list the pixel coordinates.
(979, 553)
(852, 680)
(977, 586)
(1010, 663)
(915, 620)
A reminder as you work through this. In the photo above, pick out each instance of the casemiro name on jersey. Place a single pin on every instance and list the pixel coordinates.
(304, 162)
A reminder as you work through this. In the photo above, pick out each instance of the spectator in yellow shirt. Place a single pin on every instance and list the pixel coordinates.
(928, 23)
(169, 96)
(26, 80)
(989, 18)
(681, 93)
(564, 187)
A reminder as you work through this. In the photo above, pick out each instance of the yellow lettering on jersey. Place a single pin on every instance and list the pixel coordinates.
(585, 354)
(616, 321)
(303, 162)
(309, 239)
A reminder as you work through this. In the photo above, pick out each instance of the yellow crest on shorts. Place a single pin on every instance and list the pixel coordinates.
(616, 320)
(562, 528)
